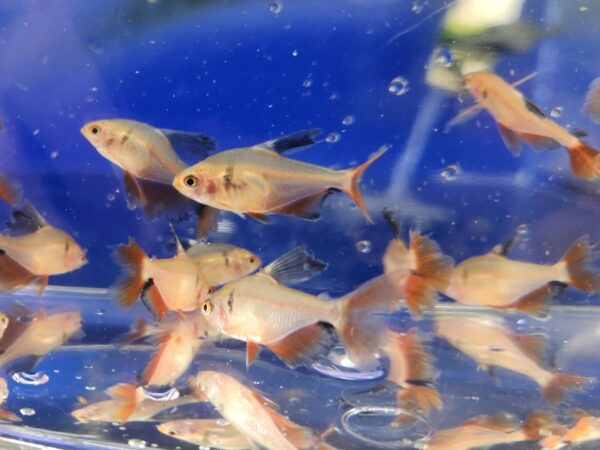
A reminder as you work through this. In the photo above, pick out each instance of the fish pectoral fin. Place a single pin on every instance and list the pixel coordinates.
(24, 364)
(295, 266)
(536, 302)
(154, 300)
(261, 217)
(12, 274)
(463, 116)
(133, 192)
(305, 345)
(511, 139)
(194, 145)
(157, 199)
(539, 142)
(534, 346)
(307, 208)
(252, 352)
(293, 141)
(25, 220)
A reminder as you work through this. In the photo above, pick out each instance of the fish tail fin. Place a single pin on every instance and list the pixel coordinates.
(130, 284)
(560, 384)
(578, 261)
(359, 330)
(8, 192)
(351, 185)
(138, 331)
(430, 274)
(422, 397)
(585, 161)
(537, 425)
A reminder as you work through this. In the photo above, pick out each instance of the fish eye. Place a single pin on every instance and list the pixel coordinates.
(173, 433)
(207, 307)
(95, 130)
(252, 259)
(191, 181)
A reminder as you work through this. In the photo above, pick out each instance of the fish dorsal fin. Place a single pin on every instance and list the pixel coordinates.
(154, 301)
(500, 422)
(292, 141)
(252, 352)
(295, 266)
(535, 109)
(503, 248)
(533, 345)
(26, 220)
(195, 145)
(511, 139)
(122, 392)
(305, 345)
(463, 116)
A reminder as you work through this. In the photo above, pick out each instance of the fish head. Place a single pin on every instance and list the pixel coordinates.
(196, 183)
(481, 85)
(243, 262)
(75, 256)
(214, 309)
(71, 322)
(4, 320)
(177, 428)
(104, 135)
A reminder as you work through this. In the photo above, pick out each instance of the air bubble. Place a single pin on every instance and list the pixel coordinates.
(295, 53)
(399, 86)
(54, 155)
(276, 6)
(557, 112)
(449, 173)
(444, 57)
(307, 83)
(90, 388)
(338, 365)
(27, 411)
(332, 138)
(110, 197)
(137, 443)
(31, 378)
(348, 120)
(364, 246)
(417, 7)
(162, 396)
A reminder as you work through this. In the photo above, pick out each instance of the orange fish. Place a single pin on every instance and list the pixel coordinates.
(35, 250)
(411, 368)
(259, 181)
(520, 120)
(587, 428)
(4, 413)
(127, 403)
(592, 101)
(487, 431)
(253, 415)
(36, 334)
(489, 342)
(494, 280)
(206, 433)
(8, 192)
(173, 284)
(418, 271)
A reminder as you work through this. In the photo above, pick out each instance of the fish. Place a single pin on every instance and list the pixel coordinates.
(299, 327)
(585, 429)
(171, 284)
(489, 342)
(487, 431)
(259, 181)
(35, 250)
(206, 433)
(411, 368)
(127, 403)
(520, 120)
(496, 281)
(9, 193)
(6, 415)
(32, 335)
(592, 101)
(221, 263)
(4, 321)
(253, 415)
(418, 271)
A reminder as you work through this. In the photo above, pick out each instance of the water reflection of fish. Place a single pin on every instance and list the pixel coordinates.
(252, 414)
(259, 181)
(494, 280)
(35, 250)
(487, 431)
(8, 192)
(206, 433)
(172, 284)
(520, 120)
(127, 403)
(490, 343)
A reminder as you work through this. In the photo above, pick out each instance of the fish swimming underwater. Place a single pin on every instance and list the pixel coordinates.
(520, 120)
(253, 415)
(6, 415)
(587, 428)
(8, 192)
(172, 284)
(494, 280)
(206, 433)
(490, 343)
(259, 181)
(487, 431)
(35, 250)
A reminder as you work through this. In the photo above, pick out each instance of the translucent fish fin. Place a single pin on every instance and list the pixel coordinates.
(538, 425)
(154, 301)
(535, 302)
(194, 145)
(24, 364)
(555, 391)
(307, 208)
(298, 436)
(421, 397)
(292, 141)
(130, 283)
(140, 330)
(252, 352)
(206, 220)
(178, 245)
(12, 274)
(408, 349)
(42, 284)
(504, 248)
(264, 400)
(500, 422)
(511, 139)
(592, 101)
(295, 266)
(579, 260)
(524, 79)
(26, 220)
(133, 192)
(122, 391)
(533, 345)
(585, 161)
(8, 191)
(539, 142)
(261, 217)
(305, 345)
(463, 116)
(393, 222)
(8, 416)
(157, 358)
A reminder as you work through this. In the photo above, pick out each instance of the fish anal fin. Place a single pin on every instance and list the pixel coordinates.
(122, 391)
(539, 142)
(463, 116)
(252, 352)
(12, 274)
(535, 302)
(560, 384)
(500, 422)
(155, 360)
(154, 301)
(297, 435)
(533, 345)
(307, 208)
(123, 413)
(584, 160)
(163, 199)
(295, 266)
(261, 217)
(305, 345)
(511, 139)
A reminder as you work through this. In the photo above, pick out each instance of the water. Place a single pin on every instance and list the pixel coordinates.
(369, 74)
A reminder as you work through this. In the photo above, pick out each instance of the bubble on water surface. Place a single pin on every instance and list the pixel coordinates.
(444, 57)
(137, 443)
(399, 86)
(450, 172)
(364, 246)
(417, 6)
(557, 112)
(338, 365)
(31, 378)
(348, 120)
(27, 411)
(333, 137)
(162, 395)
(275, 6)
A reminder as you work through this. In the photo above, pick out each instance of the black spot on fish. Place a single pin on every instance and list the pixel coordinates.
(535, 109)
(484, 93)
(226, 259)
(228, 176)
(124, 139)
(67, 245)
(230, 302)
